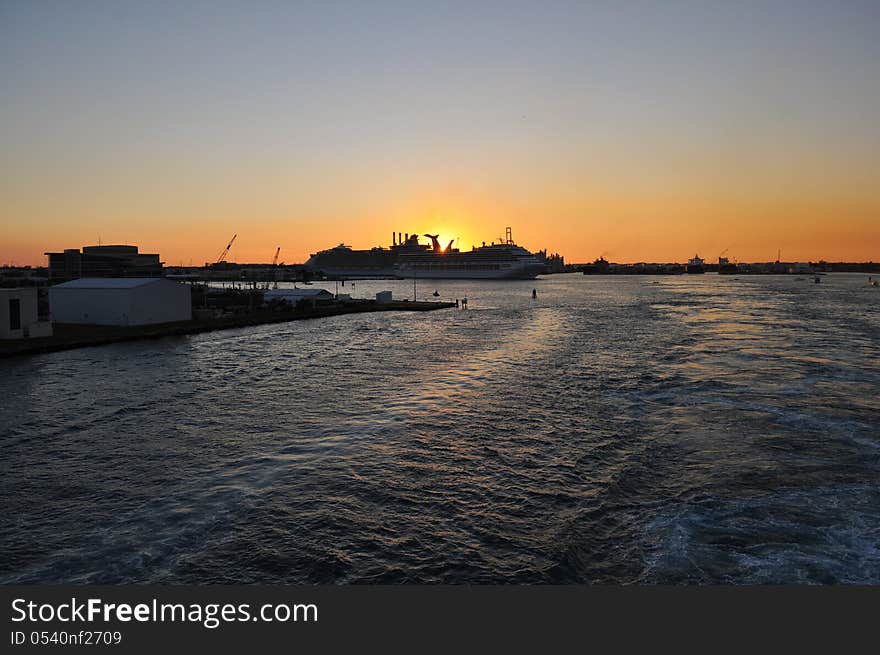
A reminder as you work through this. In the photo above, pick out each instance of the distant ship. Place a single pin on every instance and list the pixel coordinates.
(726, 267)
(598, 267)
(407, 258)
(695, 265)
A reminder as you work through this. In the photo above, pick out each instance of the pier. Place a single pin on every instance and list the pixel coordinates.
(68, 336)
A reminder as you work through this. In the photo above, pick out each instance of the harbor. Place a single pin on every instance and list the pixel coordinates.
(322, 308)
(109, 294)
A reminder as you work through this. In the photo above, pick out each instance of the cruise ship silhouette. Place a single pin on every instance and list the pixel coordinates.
(407, 258)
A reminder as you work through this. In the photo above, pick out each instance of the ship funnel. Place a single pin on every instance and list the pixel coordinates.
(434, 242)
(394, 238)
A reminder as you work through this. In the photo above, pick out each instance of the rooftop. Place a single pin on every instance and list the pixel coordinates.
(296, 293)
(109, 282)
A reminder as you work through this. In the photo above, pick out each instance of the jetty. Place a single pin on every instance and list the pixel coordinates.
(67, 336)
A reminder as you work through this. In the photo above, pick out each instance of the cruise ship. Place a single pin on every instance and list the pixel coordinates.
(407, 258)
(344, 262)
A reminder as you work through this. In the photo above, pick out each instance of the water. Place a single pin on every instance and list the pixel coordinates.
(690, 429)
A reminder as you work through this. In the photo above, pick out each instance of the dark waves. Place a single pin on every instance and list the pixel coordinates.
(670, 430)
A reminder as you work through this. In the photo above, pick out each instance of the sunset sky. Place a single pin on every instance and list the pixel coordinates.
(641, 131)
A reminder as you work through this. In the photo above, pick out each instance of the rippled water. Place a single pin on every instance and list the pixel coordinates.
(690, 429)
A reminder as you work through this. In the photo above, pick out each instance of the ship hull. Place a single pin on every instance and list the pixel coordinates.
(339, 272)
(529, 272)
(366, 273)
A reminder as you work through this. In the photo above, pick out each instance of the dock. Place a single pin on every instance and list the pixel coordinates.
(68, 336)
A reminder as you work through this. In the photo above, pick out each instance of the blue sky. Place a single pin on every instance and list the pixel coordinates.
(358, 115)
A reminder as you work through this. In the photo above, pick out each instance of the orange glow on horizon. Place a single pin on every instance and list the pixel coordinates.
(622, 235)
(576, 217)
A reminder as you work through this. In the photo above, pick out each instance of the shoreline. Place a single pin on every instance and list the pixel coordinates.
(70, 336)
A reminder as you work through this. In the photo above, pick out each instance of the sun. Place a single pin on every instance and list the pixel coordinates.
(454, 235)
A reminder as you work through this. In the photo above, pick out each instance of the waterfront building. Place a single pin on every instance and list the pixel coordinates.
(102, 261)
(310, 296)
(120, 301)
(20, 316)
(23, 276)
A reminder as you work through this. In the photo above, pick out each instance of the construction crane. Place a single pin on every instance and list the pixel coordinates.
(275, 268)
(225, 250)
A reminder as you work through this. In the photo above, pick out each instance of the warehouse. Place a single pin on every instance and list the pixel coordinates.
(120, 301)
(19, 315)
(309, 297)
